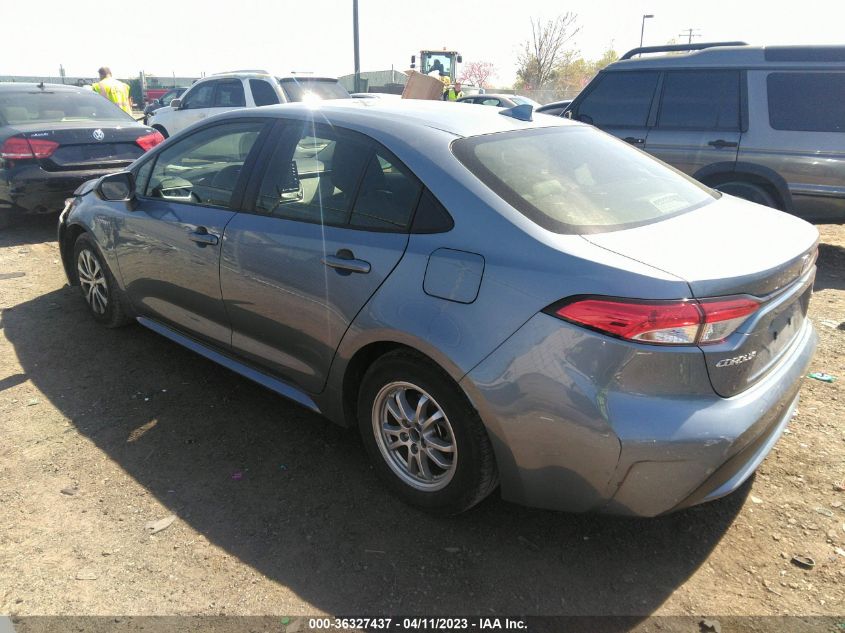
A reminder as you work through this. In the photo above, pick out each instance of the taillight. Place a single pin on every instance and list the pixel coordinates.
(22, 148)
(149, 141)
(687, 322)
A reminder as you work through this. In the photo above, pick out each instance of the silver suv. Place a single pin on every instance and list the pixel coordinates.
(240, 89)
(762, 123)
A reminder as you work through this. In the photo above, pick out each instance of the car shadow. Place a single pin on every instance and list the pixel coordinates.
(831, 263)
(293, 496)
(30, 229)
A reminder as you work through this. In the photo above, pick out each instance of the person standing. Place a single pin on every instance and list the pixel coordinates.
(454, 92)
(113, 89)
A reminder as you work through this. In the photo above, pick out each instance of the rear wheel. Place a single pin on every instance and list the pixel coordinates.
(6, 218)
(104, 299)
(748, 191)
(426, 441)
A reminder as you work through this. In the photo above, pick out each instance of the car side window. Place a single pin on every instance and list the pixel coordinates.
(314, 178)
(620, 99)
(229, 94)
(489, 102)
(387, 196)
(700, 100)
(263, 93)
(203, 168)
(340, 178)
(807, 101)
(200, 96)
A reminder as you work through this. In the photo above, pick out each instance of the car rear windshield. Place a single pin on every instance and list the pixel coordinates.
(579, 180)
(43, 106)
(304, 89)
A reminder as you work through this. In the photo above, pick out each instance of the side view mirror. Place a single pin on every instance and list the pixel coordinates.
(117, 187)
(176, 104)
(459, 59)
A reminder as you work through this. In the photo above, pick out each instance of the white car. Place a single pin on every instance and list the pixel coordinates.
(240, 89)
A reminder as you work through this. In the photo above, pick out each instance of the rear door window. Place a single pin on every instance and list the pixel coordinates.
(700, 100)
(620, 99)
(229, 94)
(807, 102)
(263, 93)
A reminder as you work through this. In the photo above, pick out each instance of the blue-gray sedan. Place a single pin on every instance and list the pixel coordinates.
(493, 301)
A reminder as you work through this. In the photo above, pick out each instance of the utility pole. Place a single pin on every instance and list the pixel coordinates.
(62, 72)
(356, 46)
(689, 33)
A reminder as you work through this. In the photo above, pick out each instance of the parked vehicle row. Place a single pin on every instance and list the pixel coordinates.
(242, 89)
(618, 337)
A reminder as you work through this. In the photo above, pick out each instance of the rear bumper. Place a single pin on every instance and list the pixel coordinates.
(578, 427)
(30, 189)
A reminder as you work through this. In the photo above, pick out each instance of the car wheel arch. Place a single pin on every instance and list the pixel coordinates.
(720, 173)
(161, 130)
(365, 356)
(70, 234)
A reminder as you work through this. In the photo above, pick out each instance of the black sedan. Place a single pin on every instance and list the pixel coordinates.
(555, 108)
(53, 138)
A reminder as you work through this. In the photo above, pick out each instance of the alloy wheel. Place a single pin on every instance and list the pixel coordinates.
(92, 279)
(414, 436)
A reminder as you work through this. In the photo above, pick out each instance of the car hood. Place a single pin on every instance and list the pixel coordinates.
(729, 246)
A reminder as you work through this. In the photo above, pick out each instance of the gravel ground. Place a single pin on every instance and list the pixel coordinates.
(278, 512)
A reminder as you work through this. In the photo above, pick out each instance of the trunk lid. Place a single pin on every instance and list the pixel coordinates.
(727, 248)
(85, 145)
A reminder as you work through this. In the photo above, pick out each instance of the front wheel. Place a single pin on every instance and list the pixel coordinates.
(426, 442)
(104, 299)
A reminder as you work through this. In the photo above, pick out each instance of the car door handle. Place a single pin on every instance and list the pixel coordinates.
(345, 261)
(720, 143)
(634, 140)
(202, 236)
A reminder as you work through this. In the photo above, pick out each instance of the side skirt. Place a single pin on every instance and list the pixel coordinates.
(273, 384)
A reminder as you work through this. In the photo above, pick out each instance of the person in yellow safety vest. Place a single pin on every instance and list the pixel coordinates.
(454, 92)
(113, 89)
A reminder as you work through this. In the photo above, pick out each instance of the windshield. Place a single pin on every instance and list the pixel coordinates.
(305, 89)
(579, 180)
(43, 106)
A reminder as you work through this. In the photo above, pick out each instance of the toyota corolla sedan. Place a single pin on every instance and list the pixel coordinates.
(493, 301)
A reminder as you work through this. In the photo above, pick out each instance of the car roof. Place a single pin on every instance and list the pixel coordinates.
(767, 57)
(12, 86)
(412, 113)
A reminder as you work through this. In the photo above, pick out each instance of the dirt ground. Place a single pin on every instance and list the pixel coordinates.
(278, 512)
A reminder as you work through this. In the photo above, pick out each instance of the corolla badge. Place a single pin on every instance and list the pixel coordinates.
(98, 135)
(736, 360)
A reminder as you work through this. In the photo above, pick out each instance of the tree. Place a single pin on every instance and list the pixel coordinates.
(478, 74)
(542, 54)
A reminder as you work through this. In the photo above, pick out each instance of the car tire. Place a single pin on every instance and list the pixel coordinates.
(425, 440)
(748, 191)
(105, 300)
(161, 130)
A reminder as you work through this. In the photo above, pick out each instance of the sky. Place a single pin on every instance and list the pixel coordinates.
(190, 37)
